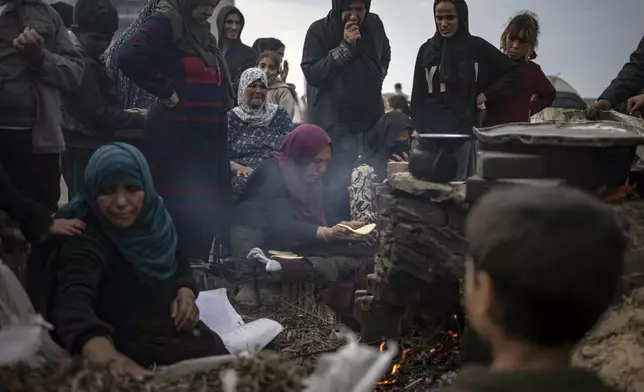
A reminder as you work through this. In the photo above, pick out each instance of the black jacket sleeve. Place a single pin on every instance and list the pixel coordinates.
(280, 207)
(34, 219)
(320, 65)
(82, 261)
(103, 116)
(505, 75)
(183, 277)
(630, 79)
(419, 93)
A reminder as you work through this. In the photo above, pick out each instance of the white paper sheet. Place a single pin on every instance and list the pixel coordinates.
(217, 313)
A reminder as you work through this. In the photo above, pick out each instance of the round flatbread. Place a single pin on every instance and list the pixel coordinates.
(288, 257)
(364, 230)
(279, 252)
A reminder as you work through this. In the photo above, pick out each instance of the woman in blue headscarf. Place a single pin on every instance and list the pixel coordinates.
(126, 297)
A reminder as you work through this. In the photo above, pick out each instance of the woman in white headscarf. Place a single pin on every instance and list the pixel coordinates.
(255, 128)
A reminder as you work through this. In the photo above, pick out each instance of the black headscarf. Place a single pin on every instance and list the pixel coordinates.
(452, 50)
(264, 44)
(335, 30)
(188, 35)
(381, 142)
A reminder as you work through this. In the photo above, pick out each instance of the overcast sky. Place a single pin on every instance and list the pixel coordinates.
(585, 41)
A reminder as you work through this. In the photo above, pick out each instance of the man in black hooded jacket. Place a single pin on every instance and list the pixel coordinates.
(345, 60)
(628, 83)
(239, 57)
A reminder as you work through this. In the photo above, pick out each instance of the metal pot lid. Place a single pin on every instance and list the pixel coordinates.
(442, 136)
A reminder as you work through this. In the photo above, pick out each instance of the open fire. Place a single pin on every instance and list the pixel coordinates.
(423, 364)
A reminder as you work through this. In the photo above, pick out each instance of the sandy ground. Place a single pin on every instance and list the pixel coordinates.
(615, 348)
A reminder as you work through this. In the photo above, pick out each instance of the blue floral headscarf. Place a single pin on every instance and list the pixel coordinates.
(150, 244)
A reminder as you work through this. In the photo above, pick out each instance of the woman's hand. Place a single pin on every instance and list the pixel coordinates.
(601, 105)
(184, 310)
(481, 99)
(101, 351)
(241, 170)
(67, 227)
(173, 100)
(398, 158)
(636, 104)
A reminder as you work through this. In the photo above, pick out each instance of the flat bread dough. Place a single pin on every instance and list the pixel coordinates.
(364, 230)
(288, 257)
(279, 252)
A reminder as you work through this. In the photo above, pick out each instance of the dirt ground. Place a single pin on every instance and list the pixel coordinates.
(615, 348)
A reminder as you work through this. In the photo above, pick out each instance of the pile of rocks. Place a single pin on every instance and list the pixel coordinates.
(420, 262)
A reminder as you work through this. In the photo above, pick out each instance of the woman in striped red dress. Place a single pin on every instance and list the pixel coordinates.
(174, 57)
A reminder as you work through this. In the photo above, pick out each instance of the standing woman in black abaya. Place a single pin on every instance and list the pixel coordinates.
(455, 73)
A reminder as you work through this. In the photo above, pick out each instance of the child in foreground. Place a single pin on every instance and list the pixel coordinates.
(544, 265)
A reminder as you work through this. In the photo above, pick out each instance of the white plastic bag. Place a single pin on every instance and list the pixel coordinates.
(24, 335)
(219, 315)
(354, 368)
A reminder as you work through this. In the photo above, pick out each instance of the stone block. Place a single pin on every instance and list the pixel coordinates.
(380, 320)
(397, 167)
(435, 192)
(495, 165)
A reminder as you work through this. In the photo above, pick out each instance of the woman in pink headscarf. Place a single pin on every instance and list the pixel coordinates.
(282, 206)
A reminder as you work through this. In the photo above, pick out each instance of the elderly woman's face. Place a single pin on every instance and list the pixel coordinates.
(121, 204)
(356, 12)
(255, 94)
(317, 167)
(202, 13)
(267, 65)
(446, 18)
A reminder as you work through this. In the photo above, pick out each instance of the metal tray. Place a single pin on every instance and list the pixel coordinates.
(579, 134)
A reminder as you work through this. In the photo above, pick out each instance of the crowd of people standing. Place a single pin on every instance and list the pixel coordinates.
(221, 154)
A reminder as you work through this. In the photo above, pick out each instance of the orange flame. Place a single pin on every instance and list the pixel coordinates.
(621, 193)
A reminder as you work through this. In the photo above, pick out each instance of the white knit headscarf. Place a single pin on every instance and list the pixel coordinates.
(255, 117)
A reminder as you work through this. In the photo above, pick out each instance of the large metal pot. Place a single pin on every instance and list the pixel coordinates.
(433, 156)
(588, 155)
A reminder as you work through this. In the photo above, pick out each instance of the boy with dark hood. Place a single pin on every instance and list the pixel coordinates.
(543, 265)
(239, 57)
(345, 60)
(456, 72)
(91, 112)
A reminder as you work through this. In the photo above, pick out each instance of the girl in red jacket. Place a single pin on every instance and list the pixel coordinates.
(520, 41)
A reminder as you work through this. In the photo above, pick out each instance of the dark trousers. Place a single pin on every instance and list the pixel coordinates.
(242, 240)
(74, 163)
(37, 177)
